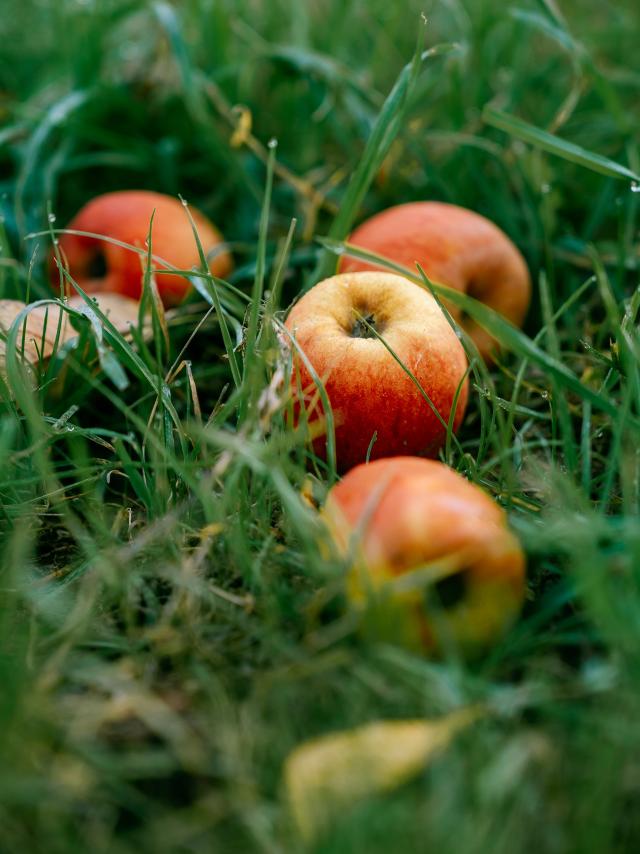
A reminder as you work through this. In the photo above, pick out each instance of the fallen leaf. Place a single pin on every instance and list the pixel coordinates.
(324, 776)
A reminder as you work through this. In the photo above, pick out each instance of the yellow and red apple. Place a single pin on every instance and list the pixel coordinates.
(392, 367)
(99, 265)
(48, 326)
(455, 247)
(433, 565)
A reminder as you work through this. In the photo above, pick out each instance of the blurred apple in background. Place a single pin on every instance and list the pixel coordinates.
(100, 266)
(455, 247)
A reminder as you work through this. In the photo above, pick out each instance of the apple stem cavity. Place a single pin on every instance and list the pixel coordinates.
(97, 266)
(364, 327)
(451, 590)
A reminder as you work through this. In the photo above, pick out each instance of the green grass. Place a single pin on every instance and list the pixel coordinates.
(169, 630)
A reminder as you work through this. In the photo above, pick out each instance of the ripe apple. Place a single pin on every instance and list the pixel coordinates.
(433, 565)
(100, 266)
(372, 397)
(48, 326)
(455, 247)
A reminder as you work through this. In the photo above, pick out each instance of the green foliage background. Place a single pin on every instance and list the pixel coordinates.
(168, 628)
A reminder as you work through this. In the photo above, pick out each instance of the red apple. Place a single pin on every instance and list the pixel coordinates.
(369, 391)
(100, 266)
(433, 564)
(455, 247)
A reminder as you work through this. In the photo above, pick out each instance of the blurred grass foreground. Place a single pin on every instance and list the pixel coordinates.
(170, 631)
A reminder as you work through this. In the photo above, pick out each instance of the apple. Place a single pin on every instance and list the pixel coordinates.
(455, 247)
(100, 266)
(47, 326)
(433, 564)
(376, 405)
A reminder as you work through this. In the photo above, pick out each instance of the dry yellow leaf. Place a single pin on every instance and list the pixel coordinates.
(324, 776)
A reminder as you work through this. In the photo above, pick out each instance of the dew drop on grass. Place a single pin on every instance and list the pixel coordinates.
(635, 186)
(185, 203)
(273, 143)
(51, 217)
(545, 189)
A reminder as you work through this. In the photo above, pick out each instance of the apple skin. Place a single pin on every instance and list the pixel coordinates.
(99, 266)
(433, 564)
(455, 247)
(367, 388)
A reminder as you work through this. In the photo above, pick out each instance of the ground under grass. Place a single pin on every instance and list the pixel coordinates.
(169, 630)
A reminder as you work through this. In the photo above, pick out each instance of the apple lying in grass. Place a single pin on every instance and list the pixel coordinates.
(353, 330)
(47, 327)
(100, 266)
(433, 564)
(455, 247)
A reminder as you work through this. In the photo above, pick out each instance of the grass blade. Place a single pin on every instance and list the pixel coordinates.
(555, 145)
